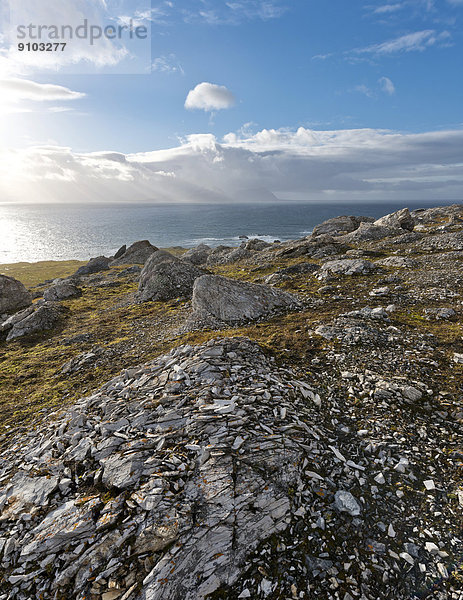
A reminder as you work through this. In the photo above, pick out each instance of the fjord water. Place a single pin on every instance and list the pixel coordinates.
(36, 232)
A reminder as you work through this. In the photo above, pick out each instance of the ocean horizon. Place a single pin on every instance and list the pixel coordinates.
(36, 232)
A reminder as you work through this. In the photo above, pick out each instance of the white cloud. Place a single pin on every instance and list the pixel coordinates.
(365, 164)
(412, 42)
(386, 85)
(16, 89)
(79, 53)
(167, 64)
(387, 8)
(26, 96)
(209, 97)
(220, 12)
(364, 89)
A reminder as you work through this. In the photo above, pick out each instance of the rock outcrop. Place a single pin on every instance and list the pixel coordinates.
(213, 470)
(94, 265)
(347, 266)
(165, 277)
(391, 225)
(137, 253)
(340, 225)
(171, 476)
(13, 295)
(220, 300)
(35, 319)
(62, 290)
(401, 219)
(197, 255)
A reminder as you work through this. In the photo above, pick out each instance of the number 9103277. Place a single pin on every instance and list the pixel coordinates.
(42, 47)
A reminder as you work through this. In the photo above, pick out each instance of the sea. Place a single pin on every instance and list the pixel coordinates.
(35, 232)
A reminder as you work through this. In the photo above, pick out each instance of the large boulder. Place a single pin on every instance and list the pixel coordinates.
(138, 253)
(256, 245)
(231, 301)
(338, 225)
(63, 290)
(13, 295)
(165, 277)
(317, 247)
(197, 255)
(401, 219)
(367, 232)
(347, 266)
(94, 265)
(34, 319)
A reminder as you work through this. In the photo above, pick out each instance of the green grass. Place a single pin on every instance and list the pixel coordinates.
(30, 369)
(31, 274)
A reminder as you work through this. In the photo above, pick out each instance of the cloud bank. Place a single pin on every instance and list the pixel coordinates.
(362, 164)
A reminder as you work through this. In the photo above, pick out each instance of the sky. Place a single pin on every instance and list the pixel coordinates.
(238, 100)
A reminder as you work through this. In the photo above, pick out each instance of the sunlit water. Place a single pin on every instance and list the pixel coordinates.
(64, 232)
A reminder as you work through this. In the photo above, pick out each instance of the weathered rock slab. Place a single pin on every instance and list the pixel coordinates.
(233, 301)
(62, 291)
(347, 266)
(35, 319)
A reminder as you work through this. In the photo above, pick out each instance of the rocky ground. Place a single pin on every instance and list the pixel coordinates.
(295, 433)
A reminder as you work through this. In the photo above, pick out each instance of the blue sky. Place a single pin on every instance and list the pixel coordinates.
(264, 65)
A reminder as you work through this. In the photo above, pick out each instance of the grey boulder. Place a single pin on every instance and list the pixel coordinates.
(165, 277)
(347, 266)
(137, 253)
(13, 295)
(401, 219)
(338, 225)
(34, 319)
(232, 301)
(94, 265)
(62, 291)
(367, 232)
(197, 255)
(256, 245)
